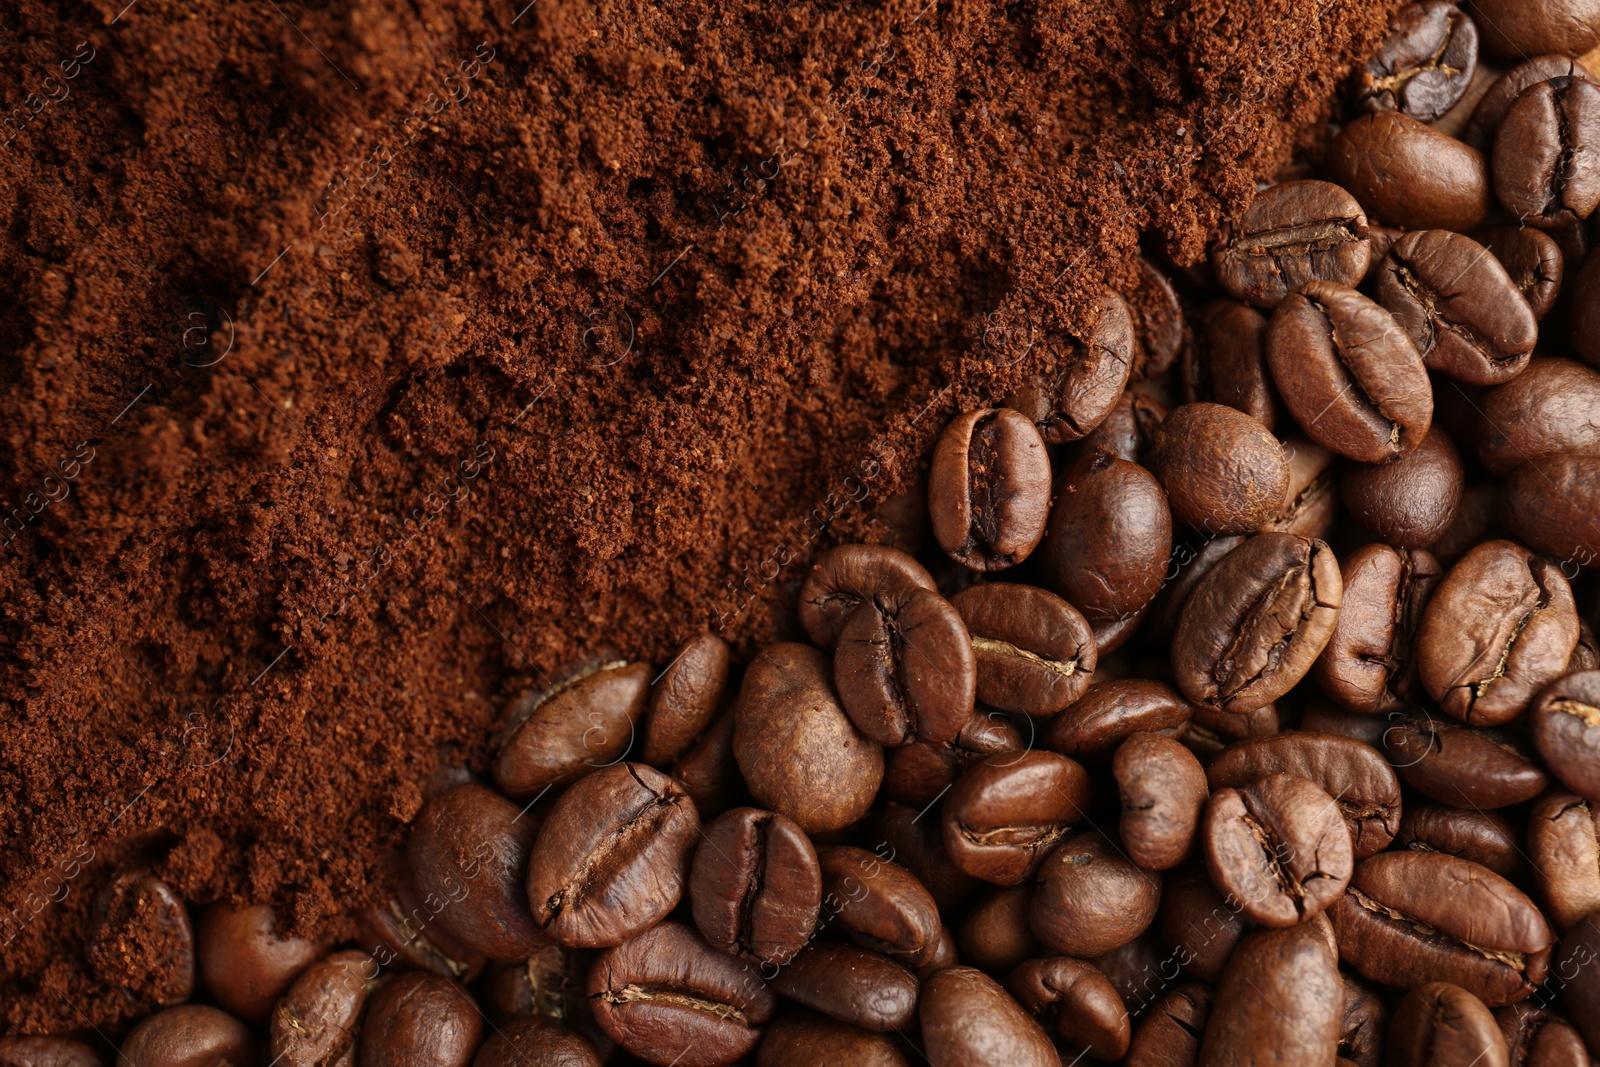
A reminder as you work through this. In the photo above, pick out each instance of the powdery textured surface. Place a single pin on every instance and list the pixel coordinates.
(343, 401)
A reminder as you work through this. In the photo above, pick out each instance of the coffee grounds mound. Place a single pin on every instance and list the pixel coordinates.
(365, 363)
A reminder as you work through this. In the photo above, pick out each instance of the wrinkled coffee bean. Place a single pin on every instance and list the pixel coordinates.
(1533, 261)
(1072, 401)
(1368, 665)
(1201, 926)
(989, 488)
(1538, 1037)
(803, 1038)
(1163, 787)
(1564, 843)
(1566, 730)
(524, 1042)
(853, 985)
(1004, 815)
(1547, 153)
(1484, 837)
(995, 934)
(192, 1034)
(1109, 712)
(244, 964)
(1491, 108)
(1033, 651)
(420, 1019)
(1425, 63)
(1553, 506)
(904, 668)
(1552, 407)
(1227, 362)
(1157, 317)
(1280, 1001)
(1460, 765)
(1191, 562)
(1292, 234)
(843, 577)
(1366, 1017)
(1089, 898)
(880, 904)
(919, 773)
(1075, 1003)
(968, 1020)
(1279, 847)
(1169, 1036)
(755, 886)
(685, 699)
(1311, 500)
(1125, 431)
(138, 916)
(1223, 471)
(315, 1023)
(586, 722)
(1411, 502)
(1407, 174)
(1440, 1023)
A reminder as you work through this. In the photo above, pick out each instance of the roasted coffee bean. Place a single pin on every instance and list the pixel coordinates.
(755, 886)
(1280, 1001)
(880, 904)
(244, 964)
(1292, 234)
(47, 1052)
(547, 984)
(1323, 717)
(1108, 712)
(1547, 153)
(1003, 815)
(1279, 847)
(1125, 431)
(1223, 471)
(918, 845)
(613, 856)
(1170, 1035)
(668, 997)
(995, 935)
(1500, 626)
(1134, 970)
(1460, 765)
(1358, 778)
(1491, 108)
(315, 1023)
(1368, 665)
(1201, 926)
(1532, 259)
(1538, 1037)
(1348, 373)
(989, 488)
(1564, 843)
(1438, 1024)
(1484, 837)
(1090, 898)
(1211, 731)
(1458, 305)
(1034, 652)
(1311, 500)
(1553, 506)
(1361, 1029)
(401, 929)
(1477, 520)
(798, 750)
(1075, 1004)
(851, 984)
(1425, 63)
(1255, 624)
(1227, 363)
(524, 1042)
(1072, 401)
(1110, 636)
(1109, 538)
(192, 1035)
(1583, 330)
(1191, 562)
(422, 1020)
(1415, 917)
(138, 916)
(1407, 174)
(905, 668)
(919, 773)
(685, 699)
(843, 577)
(584, 723)
(469, 846)
(1575, 967)
(1163, 788)
(1513, 29)
(944, 952)
(968, 1020)
(1552, 407)
(1411, 502)
(1158, 326)
(1566, 730)
(803, 1038)
(709, 773)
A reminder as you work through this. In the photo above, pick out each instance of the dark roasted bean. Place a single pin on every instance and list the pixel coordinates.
(1547, 153)
(1311, 500)
(1368, 665)
(755, 886)
(1553, 506)
(1484, 837)
(1425, 63)
(1227, 363)
(1090, 898)
(1279, 847)
(685, 699)
(422, 1020)
(584, 723)
(1407, 174)
(880, 904)
(1109, 538)
(1034, 652)
(1075, 1003)
(904, 668)
(1072, 401)
(1108, 712)
(843, 577)
(1223, 471)
(803, 1038)
(1566, 730)
(1440, 1023)
(1461, 765)
(192, 1035)
(1552, 407)
(968, 1020)
(315, 1023)
(989, 488)
(1292, 234)
(1005, 814)
(920, 772)
(1280, 1001)
(1532, 259)
(1163, 787)
(1170, 1035)
(1411, 502)
(1564, 843)
(851, 984)
(524, 1042)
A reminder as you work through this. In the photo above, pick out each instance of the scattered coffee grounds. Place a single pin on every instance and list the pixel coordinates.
(367, 364)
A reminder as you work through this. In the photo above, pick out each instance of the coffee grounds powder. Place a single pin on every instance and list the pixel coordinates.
(366, 362)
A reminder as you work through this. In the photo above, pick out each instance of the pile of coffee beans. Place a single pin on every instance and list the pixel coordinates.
(1233, 699)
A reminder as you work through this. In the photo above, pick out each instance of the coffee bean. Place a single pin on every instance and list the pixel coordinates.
(1279, 847)
(547, 984)
(1004, 815)
(1255, 624)
(755, 887)
(244, 964)
(1458, 305)
(1170, 1035)
(685, 699)
(1108, 712)
(1109, 538)
(1134, 969)
(1311, 499)
(1533, 261)
(919, 773)
(1566, 730)
(1075, 1004)
(420, 1019)
(47, 1052)
(1072, 400)
(1367, 666)
(613, 856)
(1110, 636)
(709, 773)
(1222, 470)
(1477, 520)
(944, 952)
(1192, 561)
(1500, 626)
(525, 1042)
(1157, 317)
(1583, 331)
(917, 843)
(584, 723)
(1034, 652)
(1425, 63)
(1227, 363)
(192, 1035)
(1321, 716)
(315, 1023)
(1484, 837)
(139, 917)
(1460, 765)
(905, 669)
(843, 577)
(995, 935)
(1440, 1023)
(1415, 917)
(1411, 502)
(1348, 373)
(1547, 153)
(668, 997)
(851, 984)
(1361, 1030)
(802, 1038)
(880, 904)
(989, 488)
(469, 846)
(1280, 1001)
(798, 750)
(1125, 431)
(1576, 967)
(1090, 898)
(1491, 108)
(1564, 842)
(968, 1020)
(1407, 174)
(1292, 234)
(1198, 923)
(1553, 506)
(1512, 29)
(1163, 788)
(1538, 1037)
(1552, 407)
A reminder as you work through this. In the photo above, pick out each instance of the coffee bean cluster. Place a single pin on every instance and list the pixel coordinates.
(1234, 700)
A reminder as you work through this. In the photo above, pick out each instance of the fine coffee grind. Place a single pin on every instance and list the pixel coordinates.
(367, 364)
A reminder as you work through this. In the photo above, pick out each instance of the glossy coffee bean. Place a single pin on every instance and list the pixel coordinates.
(1199, 923)
(904, 668)
(1460, 308)
(995, 934)
(1547, 153)
(1440, 1023)
(1034, 652)
(1361, 1031)
(1552, 407)
(1407, 174)
(666, 996)
(1348, 373)
(1461, 765)
(420, 1019)
(523, 1042)
(803, 1038)
(1068, 403)
(1163, 787)
(1227, 362)
(1109, 712)
(1491, 108)
(1191, 561)
(1500, 626)
(1125, 431)
(1322, 716)
(1577, 965)
(685, 699)
(1279, 847)
(1109, 538)
(989, 488)
(1292, 234)
(1222, 470)
(1553, 506)
(401, 928)
(797, 749)
(1564, 843)
(1211, 731)
(1311, 499)
(854, 985)
(1090, 898)
(585, 723)
(1075, 1004)
(244, 963)
(755, 886)
(1513, 29)
(1538, 1037)
(315, 1023)
(1489, 838)
(139, 916)
(613, 856)
(842, 577)
(192, 1035)
(1566, 730)
(709, 773)
(912, 836)
(919, 773)
(47, 1052)
(1004, 815)
(879, 903)
(1368, 665)
(1533, 261)
(469, 846)
(1254, 625)
(1425, 63)
(968, 1020)
(1411, 502)
(1169, 1035)
(1415, 917)
(1280, 1001)
(1157, 317)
